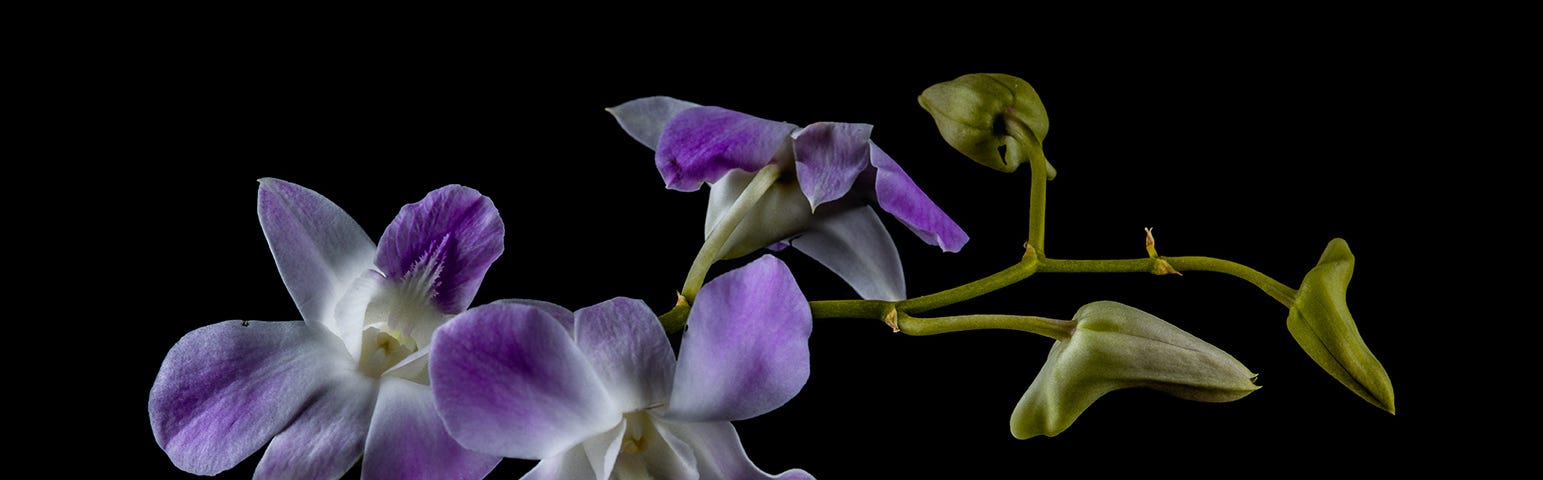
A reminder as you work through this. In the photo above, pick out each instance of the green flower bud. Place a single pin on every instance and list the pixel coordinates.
(1116, 346)
(1321, 323)
(973, 112)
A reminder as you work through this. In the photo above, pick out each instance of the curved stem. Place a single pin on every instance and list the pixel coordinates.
(712, 248)
(996, 281)
(1049, 327)
(1280, 292)
(878, 308)
(1023, 145)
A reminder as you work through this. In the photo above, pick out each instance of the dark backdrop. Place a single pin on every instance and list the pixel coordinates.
(1255, 145)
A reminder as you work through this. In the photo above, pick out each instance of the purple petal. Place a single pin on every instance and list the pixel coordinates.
(720, 455)
(327, 438)
(701, 144)
(407, 439)
(319, 249)
(644, 118)
(830, 156)
(746, 347)
(225, 389)
(510, 381)
(900, 196)
(854, 244)
(571, 464)
(557, 312)
(451, 237)
(627, 347)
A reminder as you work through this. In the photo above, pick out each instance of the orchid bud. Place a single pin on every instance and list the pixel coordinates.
(973, 112)
(1321, 323)
(1115, 346)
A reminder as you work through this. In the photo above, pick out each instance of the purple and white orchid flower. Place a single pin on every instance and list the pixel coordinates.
(598, 393)
(352, 378)
(823, 214)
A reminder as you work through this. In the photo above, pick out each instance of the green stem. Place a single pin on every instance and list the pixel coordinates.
(878, 308)
(712, 248)
(1049, 327)
(1023, 142)
(1280, 292)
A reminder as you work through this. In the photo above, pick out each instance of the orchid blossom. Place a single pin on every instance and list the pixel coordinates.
(824, 213)
(598, 393)
(351, 379)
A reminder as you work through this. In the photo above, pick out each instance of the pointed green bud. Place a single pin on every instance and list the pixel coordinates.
(1322, 325)
(973, 112)
(1116, 346)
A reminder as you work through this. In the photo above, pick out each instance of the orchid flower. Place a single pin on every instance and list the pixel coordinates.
(598, 393)
(824, 213)
(351, 379)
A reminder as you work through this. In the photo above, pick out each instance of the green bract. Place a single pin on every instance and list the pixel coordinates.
(1116, 346)
(1321, 323)
(973, 112)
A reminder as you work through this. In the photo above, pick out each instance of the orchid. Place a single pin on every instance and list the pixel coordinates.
(822, 178)
(598, 393)
(351, 379)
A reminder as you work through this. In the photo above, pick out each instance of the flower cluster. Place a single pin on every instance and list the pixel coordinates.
(391, 367)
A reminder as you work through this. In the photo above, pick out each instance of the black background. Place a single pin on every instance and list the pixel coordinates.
(1254, 143)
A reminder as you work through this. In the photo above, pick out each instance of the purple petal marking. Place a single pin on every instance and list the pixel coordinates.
(854, 244)
(829, 157)
(644, 118)
(746, 346)
(570, 464)
(318, 248)
(627, 347)
(328, 436)
(408, 440)
(703, 143)
(510, 381)
(225, 389)
(900, 196)
(452, 236)
(719, 454)
(557, 312)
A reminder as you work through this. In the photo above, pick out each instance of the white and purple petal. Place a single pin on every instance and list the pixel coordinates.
(720, 455)
(746, 347)
(557, 312)
(829, 158)
(854, 244)
(897, 194)
(449, 239)
(318, 248)
(510, 381)
(702, 144)
(571, 464)
(408, 440)
(225, 389)
(644, 119)
(328, 436)
(628, 349)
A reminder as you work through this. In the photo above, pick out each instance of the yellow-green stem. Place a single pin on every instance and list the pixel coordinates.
(1049, 327)
(712, 248)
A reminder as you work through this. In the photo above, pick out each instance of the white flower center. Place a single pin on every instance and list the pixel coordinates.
(399, 320)
(642, 433)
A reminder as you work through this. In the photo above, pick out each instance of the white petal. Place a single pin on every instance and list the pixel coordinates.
(644, 118)
(854, 244)
(782, 212)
